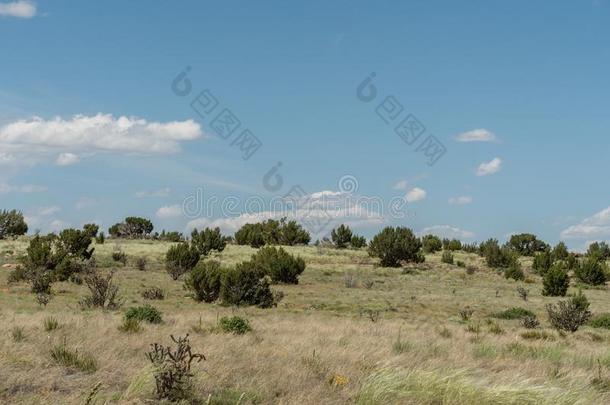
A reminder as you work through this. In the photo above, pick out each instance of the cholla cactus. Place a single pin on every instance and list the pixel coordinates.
(173, 368)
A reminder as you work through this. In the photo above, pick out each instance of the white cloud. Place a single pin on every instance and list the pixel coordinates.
(170, 211)
(487, 168)
(46, 211)
(416, 194)
(66, 159)
(476, 135)
(446, 231)
(401, 185)
(318, 212)
(462, 200)
(27, 188)
(163, 192)
(594, 227)
(20, 9)
(58, 225)
(34, 139)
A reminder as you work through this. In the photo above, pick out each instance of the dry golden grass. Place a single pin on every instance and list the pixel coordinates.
(393, 339)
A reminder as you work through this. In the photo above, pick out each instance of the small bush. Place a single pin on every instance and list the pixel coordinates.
(120, 257)
(600, 321)
(73, 359)
(537, 335)
(431, 244)
(101, 238)
(180, 259)
(204, 281)
(49, 323)
(514, 271)
(141, 263)
(153, 293)
(43, 299)
(513, 313)
(555, 282)
(278, 264)
(394, 245)
(466, 313)
(246, 285)
(447, 257)
(12, 224)
(18, 334)
(591, 271)
(208, 240)
(103, 292)
(235, 324)
(542, 262)
(530, 322)
(461, 264)
(569, 315)
(130, 326)
(172, 368)
(146, 313)
(17, 275)
(341, 236)
(495, 256)
(358, 242)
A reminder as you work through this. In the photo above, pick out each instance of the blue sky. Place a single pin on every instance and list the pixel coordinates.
(528, 80)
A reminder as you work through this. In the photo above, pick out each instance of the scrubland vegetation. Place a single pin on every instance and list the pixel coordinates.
(265, 317)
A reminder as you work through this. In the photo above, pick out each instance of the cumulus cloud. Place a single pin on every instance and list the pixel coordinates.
(446, 231)
(487, 168)
(36, 138)
(170, 211)
(163, 192)
(20, 9)
(318, 212)
(66, 159)
(594, 227)
(416, 194)
(462, 200)
(476, 135)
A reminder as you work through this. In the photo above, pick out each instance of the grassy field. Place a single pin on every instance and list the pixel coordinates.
(350, 332)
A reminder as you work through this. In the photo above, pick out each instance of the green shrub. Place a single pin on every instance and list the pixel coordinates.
(341, 236)
(130, 325)
(18, 333)
(393, 245)
(17, 275)
(514, 271)
(600, 321)
(103, 292)
(119, 256)
(180, 259)
(591, 271)
(560, 252)
(358, 242)
(555, 282)
(530, 322)
(513, 313)
(146, 313)
(495, 256)
(569, 315)
(278, 264)
(75, 243)
(526, 244)
(67, 269)
(132, 227)
(599, 250)
(66, 357)
(49, 323)
(235, 324)
(12, 224)
(141, 263)
(447, 257)
(461, 264)
(431, 244)
(452, 244)
(246, 285)
(272, 232)
(208, 240)
(101, 238)
(204, 281)
(542, 262)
